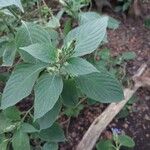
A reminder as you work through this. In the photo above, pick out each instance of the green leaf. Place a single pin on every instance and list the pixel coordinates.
(12, 113)
(91, 101)
(147, 23)
(2, 49)
(84, 17)
(73, 112)
(44, 52)
(9, 54)
(53, 23)
(5, 3)
(3, 144)
(20, 141)
(50, 146)
(28, 128)
(68, 26)
(4, 76)
(104, 54)
(125, 6)
(123, 113)
(70, 93)
(54, 37)
(47, 92)
(49, 118)
(113, 23)
(88, 36)
(79, 66)
(30, 33)
(90, 16)
(102, 87)
(20, 83)
(2, 46)
(126, 141)
(104, 145)
(118, 9)
(5, 124)
(129, 55)
(53, 134)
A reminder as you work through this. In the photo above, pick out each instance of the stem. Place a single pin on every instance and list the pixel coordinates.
(81, 101)
(39, 8)
(114, 147)
(49, 9)
(28, 112)
(67, 128)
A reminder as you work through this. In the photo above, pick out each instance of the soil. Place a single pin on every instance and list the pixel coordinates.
(130, 36)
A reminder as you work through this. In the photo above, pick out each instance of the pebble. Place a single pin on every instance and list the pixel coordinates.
(125, 125)
(147, 135)
(146, 117)
(73, 134)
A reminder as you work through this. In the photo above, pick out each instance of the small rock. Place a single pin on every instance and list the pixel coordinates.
(73, 134)
(125, 125)
(147, 135)
(146, 117)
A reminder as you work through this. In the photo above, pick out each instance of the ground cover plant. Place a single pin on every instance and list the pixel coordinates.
(116, 142)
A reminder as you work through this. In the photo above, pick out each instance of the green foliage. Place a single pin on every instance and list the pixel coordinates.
(123, 5)
(74, 112)
(116, 65)
(104, 145)
(20, 141)
(20, 83)
(5, 3)
(147, 23)
(98, 86)
(12, 113)
(52, 146)
(73, 7)
(49, 62)
(127, 108)
(126, 141)
(49, 88)
(44, 52)
(116, 143)
(3, 144)
(9, 54)
(50, 117)
(52, 134)
(6, 124)
(70, 93)
(28, 128)
(89, 16)
(79, 66)
(88, 36)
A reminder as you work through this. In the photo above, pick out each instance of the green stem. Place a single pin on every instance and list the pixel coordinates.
(49, 9)
(28, 112)
(81, 101)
